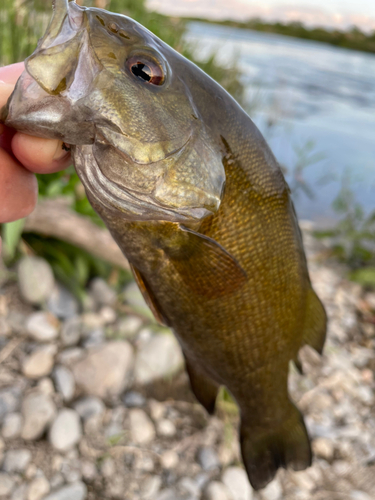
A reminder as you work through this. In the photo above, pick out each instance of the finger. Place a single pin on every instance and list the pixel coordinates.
(8, 78)
(18, 189)
(39, 155)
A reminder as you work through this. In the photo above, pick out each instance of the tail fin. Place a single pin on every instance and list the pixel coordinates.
(285, 446)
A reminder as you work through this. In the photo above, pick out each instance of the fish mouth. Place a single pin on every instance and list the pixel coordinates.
(130, 204)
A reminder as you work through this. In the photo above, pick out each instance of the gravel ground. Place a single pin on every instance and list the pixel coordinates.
(96, 404)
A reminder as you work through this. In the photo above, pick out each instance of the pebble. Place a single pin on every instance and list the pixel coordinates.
(105, 370)
(273, 491)
(89, 471)
(169, 459)
(359, 495)
(75, 491)
(6, 484)
(166, 428)
(42, 326)
(159, 357)
(108, 315)
(65, 382)
(134, 399)
(38, 411)
(128, 327)
(216, 491)
(167, 494)
(38, 488)
(101, 292)
(71, 331)
(237, 483)
(66, 430)
(20, 492)
(323, 448)
(39, 363)
(12, 426)
(207, 458)
(88, 407)
(9, 401)
(95, 338)
(62, 303)
(151, 487)
(35, 279)
(141, 428)
(16, 460)
(188, 485)
(133, 296)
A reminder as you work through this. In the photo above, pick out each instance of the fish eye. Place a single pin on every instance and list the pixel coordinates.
(146, 70)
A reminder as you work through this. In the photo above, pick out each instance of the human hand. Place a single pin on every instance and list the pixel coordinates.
(21, 156)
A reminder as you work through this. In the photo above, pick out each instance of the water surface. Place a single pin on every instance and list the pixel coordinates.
(311, 101)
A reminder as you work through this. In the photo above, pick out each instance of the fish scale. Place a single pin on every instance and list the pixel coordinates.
(198, 204)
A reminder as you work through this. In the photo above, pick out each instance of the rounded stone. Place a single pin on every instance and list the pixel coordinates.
(75, 491)
(141, 427)
(38, 411)
(101, 292)
(273, 491)
(237, 483)
(65, 382)
(105, 370)
(216, 491)
(62, 303)
(12, 426)
(38, 488)
(66, 430)
(16, 460)
(42, 326)
(39, 363)
(35, 279)
(71, 331)
(159, 357)
(207, 458)
(6, 485)
(88, 407)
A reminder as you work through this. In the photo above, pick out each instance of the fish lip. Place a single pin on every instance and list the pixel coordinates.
(121, 200)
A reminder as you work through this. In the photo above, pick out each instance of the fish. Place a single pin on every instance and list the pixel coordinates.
(198, 204)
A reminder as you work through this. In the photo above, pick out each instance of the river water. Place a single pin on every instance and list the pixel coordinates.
(314, 103)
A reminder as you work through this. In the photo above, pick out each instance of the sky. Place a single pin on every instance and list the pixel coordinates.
(328, 13)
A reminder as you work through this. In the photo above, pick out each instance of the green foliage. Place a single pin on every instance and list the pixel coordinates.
(11, 235)
(354, 236)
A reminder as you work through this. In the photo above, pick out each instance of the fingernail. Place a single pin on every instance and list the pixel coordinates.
(60, 152)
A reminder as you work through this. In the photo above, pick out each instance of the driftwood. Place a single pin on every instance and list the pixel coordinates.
(54, 218)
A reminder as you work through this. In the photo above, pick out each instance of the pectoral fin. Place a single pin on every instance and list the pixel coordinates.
(148, 296)
(207, 268)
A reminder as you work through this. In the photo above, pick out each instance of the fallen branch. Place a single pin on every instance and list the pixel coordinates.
(55, 219)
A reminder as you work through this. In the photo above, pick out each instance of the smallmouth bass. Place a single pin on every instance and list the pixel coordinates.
(195, 199)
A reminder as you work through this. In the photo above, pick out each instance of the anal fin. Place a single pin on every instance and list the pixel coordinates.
(203, 387)
(286, 445)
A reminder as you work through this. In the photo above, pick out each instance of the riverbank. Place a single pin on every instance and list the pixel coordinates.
(95, 404)
(353, 39)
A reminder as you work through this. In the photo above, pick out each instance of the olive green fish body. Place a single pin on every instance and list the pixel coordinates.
(196, 201)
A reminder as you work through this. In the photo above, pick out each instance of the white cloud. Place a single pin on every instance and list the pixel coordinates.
(236, 9)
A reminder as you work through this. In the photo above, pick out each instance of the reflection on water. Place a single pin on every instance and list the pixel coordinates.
(308, 92)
